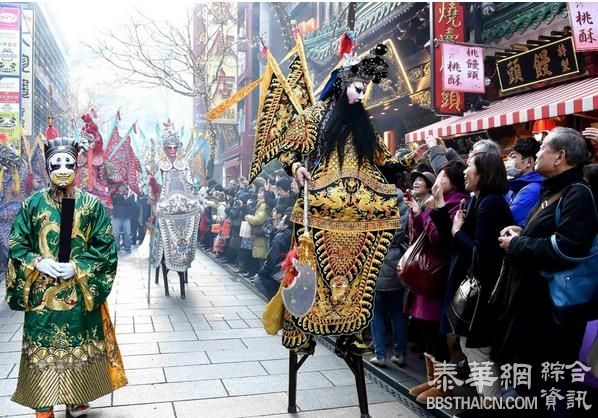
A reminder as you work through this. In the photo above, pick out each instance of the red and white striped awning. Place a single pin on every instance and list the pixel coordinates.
(579, 96)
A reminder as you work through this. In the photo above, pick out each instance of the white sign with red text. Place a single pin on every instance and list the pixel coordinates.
(462, 68)
(584, 23)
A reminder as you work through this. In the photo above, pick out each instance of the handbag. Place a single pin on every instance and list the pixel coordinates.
(225, 232)
(576, 287)
(420, 269)
(465, 301)
(273, 316)
(245, 230)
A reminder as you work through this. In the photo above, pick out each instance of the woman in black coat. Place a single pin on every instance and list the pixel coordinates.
(531, 330)
(487, 214)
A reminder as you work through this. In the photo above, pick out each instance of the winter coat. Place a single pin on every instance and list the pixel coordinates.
(486, 216)
(526, 322)
(280, 247)
(261, 216)
(524, 193)
(387, 279)
(427, 307)
(121, 206)
(438, 158)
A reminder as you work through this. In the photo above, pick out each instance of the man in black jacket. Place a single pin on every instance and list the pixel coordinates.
(268, 278)
(121, 224)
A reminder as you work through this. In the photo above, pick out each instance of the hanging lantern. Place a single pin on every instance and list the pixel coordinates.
(542, 125)
(51, 132)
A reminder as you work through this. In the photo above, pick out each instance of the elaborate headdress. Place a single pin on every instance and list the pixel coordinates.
(372, 68)
(54, 146)
(169, 136)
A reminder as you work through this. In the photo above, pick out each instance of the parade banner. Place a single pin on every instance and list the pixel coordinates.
(448, 25)
(462, 68)
(538, 65)
(27, 69)
(10, 41)
(585, 30)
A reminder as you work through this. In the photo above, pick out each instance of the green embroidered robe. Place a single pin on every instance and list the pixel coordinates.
(66, 358)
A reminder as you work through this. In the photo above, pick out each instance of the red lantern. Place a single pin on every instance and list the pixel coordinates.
(543, 125)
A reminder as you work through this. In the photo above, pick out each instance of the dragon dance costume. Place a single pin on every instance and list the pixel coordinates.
(177, 212)
(352, 201)
(70, 355)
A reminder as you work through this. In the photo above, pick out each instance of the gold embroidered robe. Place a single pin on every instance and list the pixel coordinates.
(353, 214)
(70, 355)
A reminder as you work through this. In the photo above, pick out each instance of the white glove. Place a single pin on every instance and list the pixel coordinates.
(49, 267)
(67, 270)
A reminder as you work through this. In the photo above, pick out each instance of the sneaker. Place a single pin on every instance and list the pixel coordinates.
(398, 360)
(127, 251)
(380, 362)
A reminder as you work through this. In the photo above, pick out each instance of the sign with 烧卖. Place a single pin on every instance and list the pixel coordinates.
(584, 25)
(547, 62)
(10, 128)
(448, 25)
(462, 68)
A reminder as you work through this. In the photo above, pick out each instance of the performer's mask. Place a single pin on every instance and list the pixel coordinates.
(356, 91)
(171, 151)
(61, 169)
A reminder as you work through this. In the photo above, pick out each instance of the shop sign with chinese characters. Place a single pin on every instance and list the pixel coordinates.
(547, 62)
(584, 24)
(448, 25)
(462, 68)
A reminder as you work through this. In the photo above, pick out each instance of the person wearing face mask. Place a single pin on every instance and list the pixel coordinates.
(524, 182)
(268, 278)
(70, 355)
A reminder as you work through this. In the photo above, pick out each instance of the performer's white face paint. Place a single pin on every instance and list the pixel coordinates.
(356, 92)
(61, 168)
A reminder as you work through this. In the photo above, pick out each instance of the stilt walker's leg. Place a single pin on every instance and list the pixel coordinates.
(157, 274)
(292, 383)
(186, 276)
(182, 276)
(294, 366)
(165, 277)
(355, 363)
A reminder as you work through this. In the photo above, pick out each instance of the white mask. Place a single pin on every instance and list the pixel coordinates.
(356, 91)
(61, 168)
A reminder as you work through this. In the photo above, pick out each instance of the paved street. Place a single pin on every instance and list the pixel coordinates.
(205, 356)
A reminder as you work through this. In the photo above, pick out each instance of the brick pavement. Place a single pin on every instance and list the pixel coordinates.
(205, 356)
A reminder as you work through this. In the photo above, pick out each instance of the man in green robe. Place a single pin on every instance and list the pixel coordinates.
(70, 355)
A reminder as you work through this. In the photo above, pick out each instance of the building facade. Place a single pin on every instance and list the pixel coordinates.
(50, 71)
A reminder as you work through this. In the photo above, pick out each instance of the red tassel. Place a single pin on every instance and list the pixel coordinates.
(29, 182)
(345, 45)
(51, 132)
(265, 51)
(93, 113)
(155, 187)
(287, 265)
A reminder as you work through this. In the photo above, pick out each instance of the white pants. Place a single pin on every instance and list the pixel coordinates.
(480, 355)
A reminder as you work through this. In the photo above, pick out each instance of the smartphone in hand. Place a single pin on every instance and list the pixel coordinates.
(409, 195)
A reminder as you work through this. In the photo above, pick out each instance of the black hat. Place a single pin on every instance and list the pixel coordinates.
(428, 177)
(56, 145)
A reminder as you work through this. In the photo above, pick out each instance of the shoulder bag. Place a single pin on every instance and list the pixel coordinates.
(420, 269)
(465, 301)
(578, 285)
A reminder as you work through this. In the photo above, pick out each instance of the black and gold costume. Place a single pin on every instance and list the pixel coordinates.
(353, 214)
